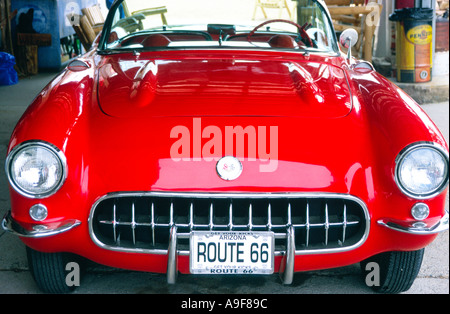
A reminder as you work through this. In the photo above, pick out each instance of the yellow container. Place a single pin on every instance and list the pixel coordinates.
(414, 44)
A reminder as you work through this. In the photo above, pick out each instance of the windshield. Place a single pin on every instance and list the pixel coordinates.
(253, 24)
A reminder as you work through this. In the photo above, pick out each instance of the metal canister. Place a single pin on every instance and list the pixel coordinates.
(414, 44)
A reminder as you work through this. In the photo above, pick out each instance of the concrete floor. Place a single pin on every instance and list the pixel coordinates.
(15, 277)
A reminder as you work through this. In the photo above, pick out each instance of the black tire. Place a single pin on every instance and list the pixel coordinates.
(398, 270)
(49, 270)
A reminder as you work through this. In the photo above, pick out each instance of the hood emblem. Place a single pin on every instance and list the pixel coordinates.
(229, 168)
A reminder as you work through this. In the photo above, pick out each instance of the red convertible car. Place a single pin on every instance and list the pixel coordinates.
(197, 138)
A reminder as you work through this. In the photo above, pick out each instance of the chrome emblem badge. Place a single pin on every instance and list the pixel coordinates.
(229, 168)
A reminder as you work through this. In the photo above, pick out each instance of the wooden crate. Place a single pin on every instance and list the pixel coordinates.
(362, 17)
(27, 51)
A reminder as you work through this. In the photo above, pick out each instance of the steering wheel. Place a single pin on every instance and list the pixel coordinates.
(301, 30)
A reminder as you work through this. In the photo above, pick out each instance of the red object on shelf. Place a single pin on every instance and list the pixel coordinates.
(400, 4)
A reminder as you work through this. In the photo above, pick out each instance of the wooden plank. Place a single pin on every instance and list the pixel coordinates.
(82, 37)
(97, 29)
(75, 22)
(347, 19)
(368, 42)
(350, 10)
(94, 15)
(87, 29)
(88, 15)
(344, 2)
(27, 59)
(151, 11)
(369, 33)
(341, 27)
(24, 39)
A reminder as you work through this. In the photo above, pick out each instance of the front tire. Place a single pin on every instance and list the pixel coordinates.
(49, 271)
(398, 270)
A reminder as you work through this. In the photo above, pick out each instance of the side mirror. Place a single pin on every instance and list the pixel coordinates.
(348, 39)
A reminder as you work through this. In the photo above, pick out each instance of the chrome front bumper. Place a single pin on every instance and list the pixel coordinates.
(287, 267)
(38, 230)
(416, 227)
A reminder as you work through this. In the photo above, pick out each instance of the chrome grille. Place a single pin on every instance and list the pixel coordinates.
(142, 221)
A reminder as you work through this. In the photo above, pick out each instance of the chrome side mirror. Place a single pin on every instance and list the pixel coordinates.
(348, 39)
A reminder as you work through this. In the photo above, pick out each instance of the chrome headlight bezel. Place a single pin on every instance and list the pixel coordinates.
(53, 150)
(405, 153)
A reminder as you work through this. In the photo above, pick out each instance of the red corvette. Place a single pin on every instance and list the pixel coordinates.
(251, 147)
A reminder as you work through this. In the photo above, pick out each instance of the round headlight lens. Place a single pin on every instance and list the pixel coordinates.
(422, 170)
(36, 169)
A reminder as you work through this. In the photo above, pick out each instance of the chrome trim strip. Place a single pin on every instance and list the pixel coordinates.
(233, 195)
(308, 225)
(39, 230)
(344, 227)
(153, 223)
(115, 222)
(327, 224)
(218, 195)
(133, 224)
(417, 227)
(211, 217)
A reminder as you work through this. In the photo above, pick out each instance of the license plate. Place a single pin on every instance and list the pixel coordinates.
(231, 252)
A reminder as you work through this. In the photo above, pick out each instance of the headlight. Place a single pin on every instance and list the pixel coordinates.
(422, 170)
(36, 169)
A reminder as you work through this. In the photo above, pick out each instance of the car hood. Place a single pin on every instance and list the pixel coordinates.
(137, 87)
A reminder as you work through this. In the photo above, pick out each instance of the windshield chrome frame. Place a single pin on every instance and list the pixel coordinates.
(102, 49)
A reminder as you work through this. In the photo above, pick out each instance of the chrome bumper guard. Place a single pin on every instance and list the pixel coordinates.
(38, 230)
(286, 271)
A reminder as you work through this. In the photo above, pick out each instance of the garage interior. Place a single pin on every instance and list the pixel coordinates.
(39, 38)
(43, 36)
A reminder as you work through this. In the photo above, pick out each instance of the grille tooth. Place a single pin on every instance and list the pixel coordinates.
(142, 222)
